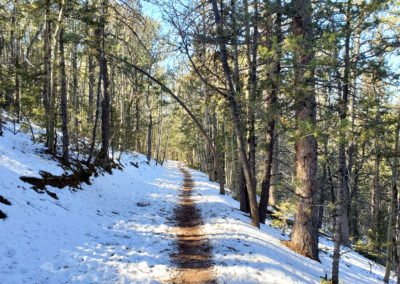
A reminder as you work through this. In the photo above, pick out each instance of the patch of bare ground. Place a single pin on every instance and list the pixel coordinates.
(193, 257)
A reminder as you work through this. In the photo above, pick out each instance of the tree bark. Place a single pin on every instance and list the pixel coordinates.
(105, 104)
(149, 128)
(391, 237)
(252, 48)
(63, 95)
(273, 82)
(235, 112)
(343, 105)
(304, 239)
(47, 88)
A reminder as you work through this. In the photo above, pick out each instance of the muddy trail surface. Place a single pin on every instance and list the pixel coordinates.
(193, 256)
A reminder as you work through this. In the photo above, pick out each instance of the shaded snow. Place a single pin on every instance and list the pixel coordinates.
(244, 254)
(119, 229)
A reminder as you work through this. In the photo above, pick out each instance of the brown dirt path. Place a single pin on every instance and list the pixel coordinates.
(193, 257)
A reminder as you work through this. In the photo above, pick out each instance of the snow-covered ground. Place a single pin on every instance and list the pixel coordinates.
(120, 229)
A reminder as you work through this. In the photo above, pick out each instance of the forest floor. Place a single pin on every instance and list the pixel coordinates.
(143, 224)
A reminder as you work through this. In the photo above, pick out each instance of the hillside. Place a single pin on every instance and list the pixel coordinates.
(120, 229)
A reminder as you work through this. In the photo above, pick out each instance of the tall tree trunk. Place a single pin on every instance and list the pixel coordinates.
(63, 95)
(273, 91)
(343, 169)
(52, 85)
(14, 101)
(391, 237)
(252, 47)
(149, 128)
(75, 97)
(98, 97)
(275, 175)
(304, 239)
(235, 112)
(15, 38)
(166, 146)
(241, 183)
(160, 133)
(105, 104)
(337, 235)
(47, 88)
(91, 67)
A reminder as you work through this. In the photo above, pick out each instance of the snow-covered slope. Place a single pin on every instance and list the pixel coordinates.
(244, 254)
(120, 229)
(112, 231)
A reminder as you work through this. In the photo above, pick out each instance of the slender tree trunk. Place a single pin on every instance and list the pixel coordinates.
(47, 88)
(52, 85)
(91, 88)
(233, 105)
(75, 97)
(343, 169)
(241, 183)
(63, 89)
(16, 50)
(98, 99)
(376, 202)
(252, 47)
(304, 239)
(1, 105)
(105, 104)
(160, 133)
(337, 235)
(273, 90)
(391, 238)
(137, 125)
(149, 128)
(166, 146)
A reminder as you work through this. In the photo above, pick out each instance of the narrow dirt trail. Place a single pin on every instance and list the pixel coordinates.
(193, 257)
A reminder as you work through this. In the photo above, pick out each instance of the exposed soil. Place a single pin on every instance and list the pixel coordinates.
(194, 251)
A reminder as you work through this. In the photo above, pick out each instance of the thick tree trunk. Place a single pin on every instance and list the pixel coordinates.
(244, 196)
(275, 175)
(304, 239)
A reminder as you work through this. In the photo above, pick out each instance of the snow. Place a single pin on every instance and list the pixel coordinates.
(119, 229)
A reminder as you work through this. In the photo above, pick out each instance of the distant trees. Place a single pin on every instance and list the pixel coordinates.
(61, 65)
(301, 77)
(292, 101)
